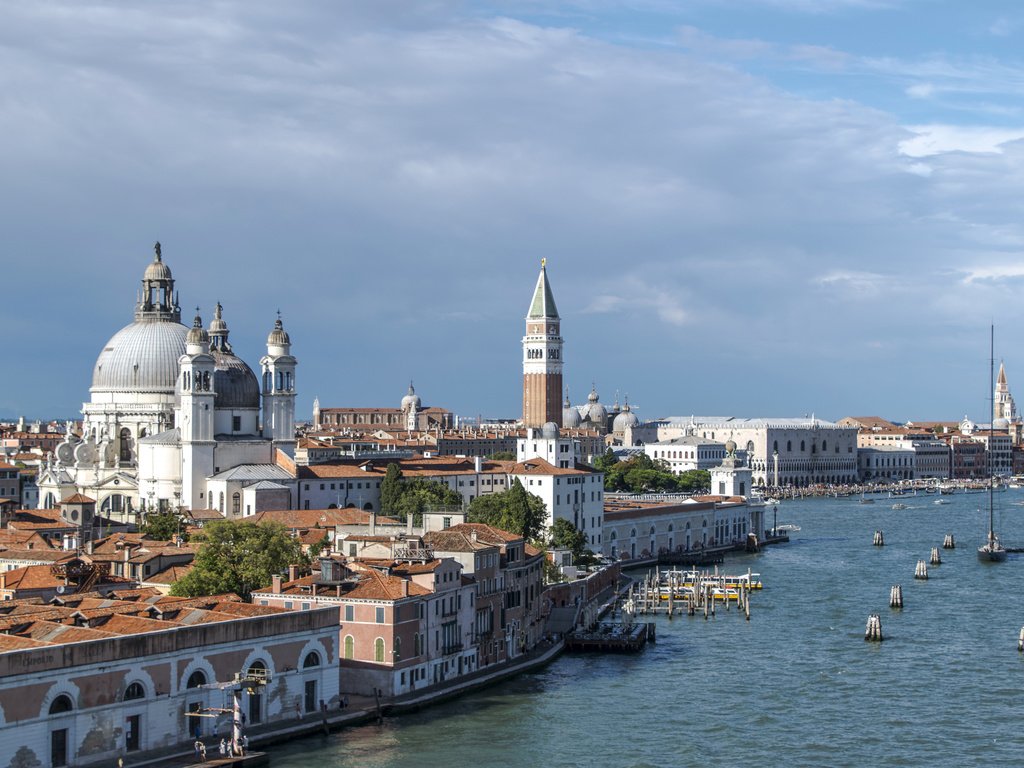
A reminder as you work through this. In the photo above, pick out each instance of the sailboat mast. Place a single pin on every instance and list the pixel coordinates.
(991, 422)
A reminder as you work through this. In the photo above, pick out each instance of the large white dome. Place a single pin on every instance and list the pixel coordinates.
(141, 357)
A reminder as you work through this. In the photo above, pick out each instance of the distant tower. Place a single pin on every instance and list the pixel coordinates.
(316, 412)
(278, 368)
(196, 422)
(410, 407)
(542, 358)
(1004, 407)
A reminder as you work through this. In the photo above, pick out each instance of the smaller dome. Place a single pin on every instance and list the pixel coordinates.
(549, 431)
(730, 447)
(625, 418)
(592, 397)
(596, 413)
(570, 417)
(411, 399)
(217, 325)
(1001, 424)
(279, 336)
(197, 334)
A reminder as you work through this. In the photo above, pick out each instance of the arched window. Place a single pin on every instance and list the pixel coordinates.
(789, 446)
(378, 650)
(134, 691)
(632, 533)
(125, 452)
(775, 446)
(350, 647)
(312, 660)
(824, 445)
(61, 704)
(652, 530)
(196, 679)
(236, 503)
(398, 648)
(803, 446)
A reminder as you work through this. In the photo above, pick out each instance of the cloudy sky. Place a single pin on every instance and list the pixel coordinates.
(749, 207)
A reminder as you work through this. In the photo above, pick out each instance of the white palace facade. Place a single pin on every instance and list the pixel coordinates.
(780, 452)
(172, 411)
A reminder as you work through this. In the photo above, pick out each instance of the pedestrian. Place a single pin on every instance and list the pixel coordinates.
(196, 746)
(202, 752)
(344, 702)
(245, 743)
(298, 711)
(223, 748)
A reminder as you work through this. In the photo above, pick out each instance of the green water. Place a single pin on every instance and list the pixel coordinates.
(797, 685)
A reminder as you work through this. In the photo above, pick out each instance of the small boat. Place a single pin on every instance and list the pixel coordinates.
(788, 528)
(866, 500)
(899, 506)
(940, 501)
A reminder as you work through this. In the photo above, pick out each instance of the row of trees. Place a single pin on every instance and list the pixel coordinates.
(642, 474)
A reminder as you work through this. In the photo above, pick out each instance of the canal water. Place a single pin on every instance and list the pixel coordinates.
(796, 686)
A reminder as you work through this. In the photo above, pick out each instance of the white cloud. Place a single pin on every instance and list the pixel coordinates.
(935, 139)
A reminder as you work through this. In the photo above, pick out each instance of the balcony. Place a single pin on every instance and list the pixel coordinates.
(449, 649)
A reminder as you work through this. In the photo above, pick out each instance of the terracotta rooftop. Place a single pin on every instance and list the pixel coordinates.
(78, 498)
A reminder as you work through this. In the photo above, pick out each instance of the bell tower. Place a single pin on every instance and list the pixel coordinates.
(278, 368)
(195, 418)
(542, 357)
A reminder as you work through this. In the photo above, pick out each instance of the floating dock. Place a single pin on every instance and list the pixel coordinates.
(612, 637)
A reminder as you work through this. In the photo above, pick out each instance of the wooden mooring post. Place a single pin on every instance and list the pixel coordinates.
(873, 631)
(921, 572)
(896, 596)
(878, 540)
(948, 543)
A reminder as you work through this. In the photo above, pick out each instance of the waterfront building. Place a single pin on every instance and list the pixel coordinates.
(418, 611)
(781, 452)
(642, 527)
(542, 357)
(170, 408)
(97, 677)
(968, 458)
(890, 463)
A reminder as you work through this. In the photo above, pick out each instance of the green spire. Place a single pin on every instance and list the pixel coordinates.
(543, 304)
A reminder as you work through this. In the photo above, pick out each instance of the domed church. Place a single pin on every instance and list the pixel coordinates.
(175, 418)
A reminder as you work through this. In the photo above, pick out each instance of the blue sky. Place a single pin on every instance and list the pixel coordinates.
(770, 207)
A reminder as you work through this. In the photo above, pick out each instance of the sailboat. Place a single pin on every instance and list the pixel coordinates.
(991, 551)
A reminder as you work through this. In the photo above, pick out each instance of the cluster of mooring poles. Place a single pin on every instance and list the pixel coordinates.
(693, 591)
(873, 631)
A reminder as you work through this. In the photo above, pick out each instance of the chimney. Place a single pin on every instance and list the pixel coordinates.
(373, 523)
(408, 525)
(478, 464)
(275, 584)
(293, 572)
(405, 588)
(88, 547)
(472, 534)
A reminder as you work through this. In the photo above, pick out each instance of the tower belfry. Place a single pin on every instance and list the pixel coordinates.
(542, 357)
(1003, 405)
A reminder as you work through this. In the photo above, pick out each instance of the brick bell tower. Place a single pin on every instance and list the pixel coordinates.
(542, 357)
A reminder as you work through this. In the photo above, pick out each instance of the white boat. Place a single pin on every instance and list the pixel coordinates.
(940, 501)
(899, 506)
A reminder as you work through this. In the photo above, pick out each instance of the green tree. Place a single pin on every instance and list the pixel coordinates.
(163, 526)
(238, 557)
(565, 535)
(502, 456)
(606, 462)
(391, 489)
(514, 510)
(418, 494)
(694, 481)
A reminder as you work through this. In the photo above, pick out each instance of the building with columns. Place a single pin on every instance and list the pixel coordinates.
(170, 408)
(542, 357)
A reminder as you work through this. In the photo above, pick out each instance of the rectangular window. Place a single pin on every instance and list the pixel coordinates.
(236, 423)
(380, 615)
(350, 613)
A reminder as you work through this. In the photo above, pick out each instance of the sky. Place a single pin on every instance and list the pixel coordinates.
(748, 207)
